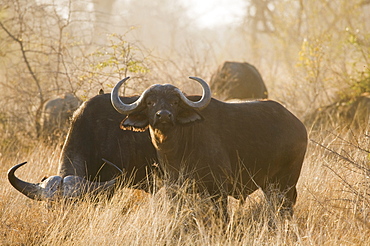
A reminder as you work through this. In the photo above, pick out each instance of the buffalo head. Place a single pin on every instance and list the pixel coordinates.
(164, 106)
(55, 187)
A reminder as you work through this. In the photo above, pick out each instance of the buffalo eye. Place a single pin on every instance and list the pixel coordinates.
(150, 103)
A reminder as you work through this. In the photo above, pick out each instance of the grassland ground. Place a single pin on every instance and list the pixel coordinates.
(333, 206)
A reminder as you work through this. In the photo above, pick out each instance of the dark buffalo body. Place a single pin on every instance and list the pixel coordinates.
(237, 80)
(228, 148)
(95, 134)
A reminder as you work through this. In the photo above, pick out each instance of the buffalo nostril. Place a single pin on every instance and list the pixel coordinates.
(164, 114)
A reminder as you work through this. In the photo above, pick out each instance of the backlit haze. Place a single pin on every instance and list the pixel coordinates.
(213, 13)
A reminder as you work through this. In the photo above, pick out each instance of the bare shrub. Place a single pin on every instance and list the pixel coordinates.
(48, 54)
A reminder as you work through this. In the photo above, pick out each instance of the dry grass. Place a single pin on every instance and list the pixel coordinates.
(333, 207)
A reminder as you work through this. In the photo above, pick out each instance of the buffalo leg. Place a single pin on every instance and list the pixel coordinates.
(281, 199)
(221, 204)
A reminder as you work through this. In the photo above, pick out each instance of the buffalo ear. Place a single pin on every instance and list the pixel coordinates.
(188, 115)
(135, 122)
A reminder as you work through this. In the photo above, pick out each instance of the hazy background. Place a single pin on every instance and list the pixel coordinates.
(310, 53)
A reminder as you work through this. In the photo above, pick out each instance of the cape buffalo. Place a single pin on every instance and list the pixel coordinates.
(94, 134)
(227, 148)
(236, 80)
(56, 114)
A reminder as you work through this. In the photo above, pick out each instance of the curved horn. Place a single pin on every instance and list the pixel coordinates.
(206, 97)
(33, 191)
(56, 187)
(120, 106)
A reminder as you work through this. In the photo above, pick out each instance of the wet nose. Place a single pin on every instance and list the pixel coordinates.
(164, 115)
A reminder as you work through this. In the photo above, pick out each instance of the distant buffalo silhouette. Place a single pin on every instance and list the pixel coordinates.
(238, 80)
(55, 116)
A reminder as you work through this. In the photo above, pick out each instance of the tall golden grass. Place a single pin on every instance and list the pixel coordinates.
(333, 206)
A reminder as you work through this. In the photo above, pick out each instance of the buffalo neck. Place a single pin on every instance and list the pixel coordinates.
(175, 146)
